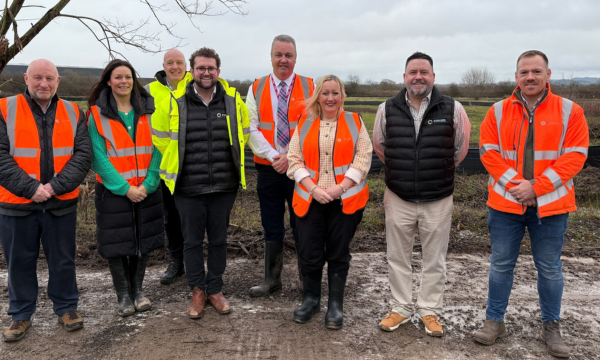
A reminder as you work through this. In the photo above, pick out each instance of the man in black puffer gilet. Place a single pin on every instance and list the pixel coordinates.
(209, 175)
(423, 169)
(421, 136)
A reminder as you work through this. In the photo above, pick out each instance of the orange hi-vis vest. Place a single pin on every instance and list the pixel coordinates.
(560, 141)
(302, 89)
(130, 159)
(348, 129)
(25, 145)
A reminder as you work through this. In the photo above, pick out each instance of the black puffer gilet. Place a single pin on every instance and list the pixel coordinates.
(208, 164)
(421, 169)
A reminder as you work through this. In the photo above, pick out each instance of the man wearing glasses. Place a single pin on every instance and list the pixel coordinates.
(203, 166)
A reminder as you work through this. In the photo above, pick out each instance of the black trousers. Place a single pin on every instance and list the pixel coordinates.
(274, 190)
(199, 214)
(324, 234)
(21, 237)
(172, 224)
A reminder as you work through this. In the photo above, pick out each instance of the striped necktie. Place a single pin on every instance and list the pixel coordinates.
(283, 127)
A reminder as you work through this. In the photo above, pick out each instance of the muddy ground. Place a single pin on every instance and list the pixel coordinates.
(263, 328)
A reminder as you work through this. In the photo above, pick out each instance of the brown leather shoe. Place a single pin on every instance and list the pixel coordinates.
(220, 303)
(196, 309)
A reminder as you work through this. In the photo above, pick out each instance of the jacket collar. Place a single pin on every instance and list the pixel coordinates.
(161, 77)
(108, 105)
(517, 94)
(35, 106)
(191, 93)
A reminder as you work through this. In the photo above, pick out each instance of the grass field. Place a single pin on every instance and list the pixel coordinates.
(476, 115)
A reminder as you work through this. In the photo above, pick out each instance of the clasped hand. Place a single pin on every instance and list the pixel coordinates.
(328, 195)
(523, 192)
(137, 193)
(43, 193)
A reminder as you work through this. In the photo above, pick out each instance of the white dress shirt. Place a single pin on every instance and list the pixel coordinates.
(257, 142)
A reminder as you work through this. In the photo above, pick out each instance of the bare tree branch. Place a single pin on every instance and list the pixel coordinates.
(110, 32)
(154, 8)
(14, 9)
(13, 50)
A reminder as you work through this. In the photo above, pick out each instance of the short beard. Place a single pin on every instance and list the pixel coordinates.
(426, 90)
(201, 86)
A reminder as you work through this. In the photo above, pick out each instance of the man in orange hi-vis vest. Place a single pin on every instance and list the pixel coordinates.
(532, 144)
(275, 103)
(45, 153)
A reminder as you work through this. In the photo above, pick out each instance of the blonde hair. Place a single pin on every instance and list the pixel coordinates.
(312, 105)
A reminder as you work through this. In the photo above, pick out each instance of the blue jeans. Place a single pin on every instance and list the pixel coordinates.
(547, 239)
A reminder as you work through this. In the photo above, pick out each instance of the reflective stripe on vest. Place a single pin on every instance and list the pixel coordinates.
(131, 160)
(24, 144)
(347, 132)
(301, 91)
(544, 156)
(567, 108)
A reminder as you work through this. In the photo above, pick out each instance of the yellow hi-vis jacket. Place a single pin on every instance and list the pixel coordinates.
(170, 142)
(160, 91)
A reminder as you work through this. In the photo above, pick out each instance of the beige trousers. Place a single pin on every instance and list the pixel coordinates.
(433, 220)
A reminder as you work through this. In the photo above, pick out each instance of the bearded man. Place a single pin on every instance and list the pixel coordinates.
(421, 136)
(203, 166)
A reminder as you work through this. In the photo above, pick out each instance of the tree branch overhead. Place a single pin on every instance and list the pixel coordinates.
(110, 32)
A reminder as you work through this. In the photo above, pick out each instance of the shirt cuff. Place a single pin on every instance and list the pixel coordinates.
(272, 153)
(354, 175)
(301, 174)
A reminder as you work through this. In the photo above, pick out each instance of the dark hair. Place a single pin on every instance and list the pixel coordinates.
(419, 55)
(105, 77)
(207, 53)
(532, 53)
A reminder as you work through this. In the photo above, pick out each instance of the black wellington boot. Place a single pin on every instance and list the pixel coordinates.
(121, 283)
(311, 297)
(137, 267)
(273, 266)
(335, 307)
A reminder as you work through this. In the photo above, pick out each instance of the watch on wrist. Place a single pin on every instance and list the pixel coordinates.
(343, 188)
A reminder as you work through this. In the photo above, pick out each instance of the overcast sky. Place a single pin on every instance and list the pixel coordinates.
(371, 39)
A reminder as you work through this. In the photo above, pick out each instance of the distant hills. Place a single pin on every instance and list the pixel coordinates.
(21, 68)
(578, 80)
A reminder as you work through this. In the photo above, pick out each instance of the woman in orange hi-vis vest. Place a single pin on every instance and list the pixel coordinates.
(329, 158)
(129, 214)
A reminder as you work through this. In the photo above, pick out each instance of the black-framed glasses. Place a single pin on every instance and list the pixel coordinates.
(211, 70)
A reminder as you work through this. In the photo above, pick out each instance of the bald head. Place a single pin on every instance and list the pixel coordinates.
(41, 65)
(174, 65)
(42, 81)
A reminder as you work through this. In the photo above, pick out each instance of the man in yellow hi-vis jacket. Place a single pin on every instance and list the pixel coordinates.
(173, 79)
(203, 166)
